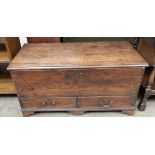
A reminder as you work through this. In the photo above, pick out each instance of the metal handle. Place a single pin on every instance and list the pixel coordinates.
(74, 75)
(49, 103)
(104, 103)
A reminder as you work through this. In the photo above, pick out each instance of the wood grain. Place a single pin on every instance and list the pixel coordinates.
(77, 55)
(106, 101)
(78, 82)
(146, 51)
(78, 77)
(146, 48)
(12, 45)
(43, 39)
(63, 102)
(6, 85)
(9, 46)
(4, 58)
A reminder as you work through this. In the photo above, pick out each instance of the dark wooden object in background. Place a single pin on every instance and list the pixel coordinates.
(93, 39)
(146, 48)
(43, 39)
(134, 41)
(78, 77)
(9, 46)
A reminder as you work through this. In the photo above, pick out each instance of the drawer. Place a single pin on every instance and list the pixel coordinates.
(106, 102)
(63, 102)
(80, 82)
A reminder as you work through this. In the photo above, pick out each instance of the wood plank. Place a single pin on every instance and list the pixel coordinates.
(78, 109)
(146, 51)
(6, 85)
(78, 82)
(4, 58)
(55, 102)
(12, 46)
(43, 39)
(77, 55)
(106, 101)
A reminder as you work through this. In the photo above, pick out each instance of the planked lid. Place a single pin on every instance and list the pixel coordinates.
(77, 55)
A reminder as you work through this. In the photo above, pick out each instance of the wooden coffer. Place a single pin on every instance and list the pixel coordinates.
(77, 77)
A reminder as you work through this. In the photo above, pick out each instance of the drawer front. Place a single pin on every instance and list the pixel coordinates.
(63, 102)
(106, 102)
(83, 82)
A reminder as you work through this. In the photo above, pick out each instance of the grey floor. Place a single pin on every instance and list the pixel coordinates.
(9, 107)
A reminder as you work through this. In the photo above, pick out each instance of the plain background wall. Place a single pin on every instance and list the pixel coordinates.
(23, 40)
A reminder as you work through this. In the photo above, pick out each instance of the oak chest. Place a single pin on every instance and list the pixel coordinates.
(77, 77)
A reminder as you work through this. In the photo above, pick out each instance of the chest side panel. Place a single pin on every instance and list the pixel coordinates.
(78, 82)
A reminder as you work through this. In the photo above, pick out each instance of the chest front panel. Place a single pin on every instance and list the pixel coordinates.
(79, 82)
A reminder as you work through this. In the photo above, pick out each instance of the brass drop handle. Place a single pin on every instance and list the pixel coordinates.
(49, 103)
(105, 103)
